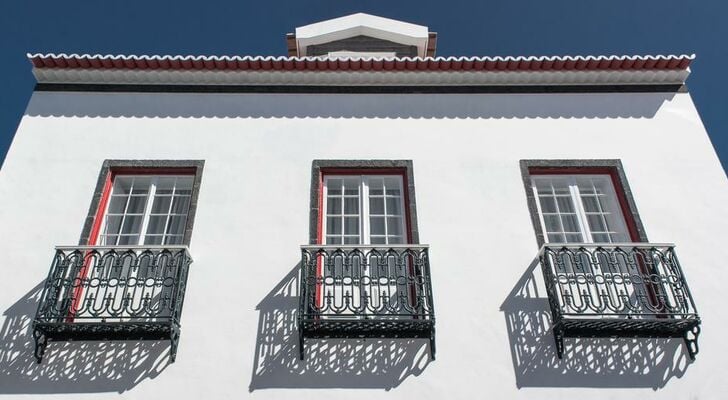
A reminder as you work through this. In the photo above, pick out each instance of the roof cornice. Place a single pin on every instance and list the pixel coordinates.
(74, 68)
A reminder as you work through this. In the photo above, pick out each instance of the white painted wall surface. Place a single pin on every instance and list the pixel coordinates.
(253, 214)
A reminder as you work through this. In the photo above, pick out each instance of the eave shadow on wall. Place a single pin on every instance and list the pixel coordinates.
(331, 363)
(588, 362)
(360, 106)
(71, 367)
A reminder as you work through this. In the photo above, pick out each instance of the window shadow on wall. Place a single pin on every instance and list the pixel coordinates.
(588, 362)
(361, 106)
(329, 363)
(71, 367)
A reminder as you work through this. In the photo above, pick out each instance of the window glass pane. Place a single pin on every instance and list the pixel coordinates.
(596, 223)
(333, 239)
(109, 240)
(176, 239)
(600, 238)
(556, 238)
(376, 226)
(376, 187)
(552, 223)
(574, 238)
(351, 239)
(113, 224)
(136, 205)
(128, 240)
(590, 203)
(565, 204)
(176, 225)
(117, 204)
(548, 205)
(180, 205)
(122, 185)
(333, 205)
(376, 205)
(141, 185)
(333, 187)
(351, 205)
(394, 226)
(396, 240)
(570, 223)
(351, 225)
(351, 187)
(161, 204)
(393, 206)
(153, 240)
(184, 185)
(165, 184)
(333, 225)
(378, 240)
(132, 224)
(156, 224)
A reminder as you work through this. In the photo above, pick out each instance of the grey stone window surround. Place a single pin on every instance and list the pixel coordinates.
(165, 166)
(330, 166)
(618, 177)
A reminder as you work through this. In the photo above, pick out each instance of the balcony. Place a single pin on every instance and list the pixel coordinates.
(113, 293)
(363, 291)
(618, 290)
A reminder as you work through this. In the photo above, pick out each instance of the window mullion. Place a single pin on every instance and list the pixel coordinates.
(168, 218)
(147, 209)
(364, 229)
(580, 213)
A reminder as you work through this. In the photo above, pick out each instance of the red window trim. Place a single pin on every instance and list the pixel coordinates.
(616, 183)
(363, 171)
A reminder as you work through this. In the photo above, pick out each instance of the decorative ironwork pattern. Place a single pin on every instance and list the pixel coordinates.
(113, 292)
(362, 291)
(620, 290)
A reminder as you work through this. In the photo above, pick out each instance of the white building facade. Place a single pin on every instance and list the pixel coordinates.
(361, 218)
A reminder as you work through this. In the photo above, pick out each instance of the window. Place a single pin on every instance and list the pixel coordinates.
(143, 202)
(579, 208)
(364, 209)
(147, 210)
(581, 201)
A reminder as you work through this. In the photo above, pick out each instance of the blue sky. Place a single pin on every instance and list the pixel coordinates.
(476, 27)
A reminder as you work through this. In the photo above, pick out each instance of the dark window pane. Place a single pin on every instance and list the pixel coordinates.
(334, 205)
(333, 225)
(136, 204)
(176, 225)
(161, 204)
(180, 205)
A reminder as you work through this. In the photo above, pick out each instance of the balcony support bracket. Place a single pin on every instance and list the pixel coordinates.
(691, 341)
(173, 342)
(432, 344)
(41, 342)
(559, 339)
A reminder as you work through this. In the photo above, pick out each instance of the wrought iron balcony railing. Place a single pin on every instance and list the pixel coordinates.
(618, 290)
(113, 293)
(360, 291)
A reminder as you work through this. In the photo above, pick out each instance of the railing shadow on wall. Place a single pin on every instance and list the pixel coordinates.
(329, 363)
(71, 367)
(588, 362)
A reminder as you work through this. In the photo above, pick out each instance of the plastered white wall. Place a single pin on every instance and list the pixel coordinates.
(253, 214)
